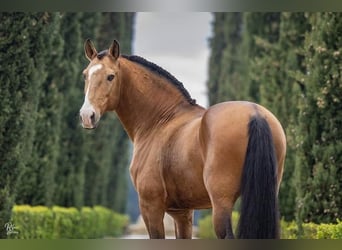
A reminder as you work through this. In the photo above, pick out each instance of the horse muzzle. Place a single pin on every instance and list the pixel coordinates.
(88, 118)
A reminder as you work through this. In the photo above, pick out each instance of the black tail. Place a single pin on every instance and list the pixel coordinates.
(259, 216)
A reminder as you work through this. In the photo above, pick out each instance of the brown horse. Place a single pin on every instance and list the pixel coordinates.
(187, 157)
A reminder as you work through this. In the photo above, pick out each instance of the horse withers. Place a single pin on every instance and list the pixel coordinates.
(187, 157)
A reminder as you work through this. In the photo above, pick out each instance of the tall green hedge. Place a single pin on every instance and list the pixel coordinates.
(46, 158)
(24, 55)
(319, 158)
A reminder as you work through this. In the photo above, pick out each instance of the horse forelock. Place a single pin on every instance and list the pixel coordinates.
(102, 54)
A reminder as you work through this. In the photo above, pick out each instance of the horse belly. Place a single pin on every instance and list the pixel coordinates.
(186, 191)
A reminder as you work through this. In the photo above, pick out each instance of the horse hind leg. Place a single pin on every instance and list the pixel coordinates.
(222, 200)
(222, 221)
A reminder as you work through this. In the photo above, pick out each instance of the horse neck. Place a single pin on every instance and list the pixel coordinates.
(146, 100)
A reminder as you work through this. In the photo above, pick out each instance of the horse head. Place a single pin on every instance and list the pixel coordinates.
(102, 83)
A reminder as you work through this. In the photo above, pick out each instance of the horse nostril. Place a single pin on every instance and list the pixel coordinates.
(92, 118)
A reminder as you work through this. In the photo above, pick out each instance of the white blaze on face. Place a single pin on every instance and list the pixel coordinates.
(88, 110)
(93, 69)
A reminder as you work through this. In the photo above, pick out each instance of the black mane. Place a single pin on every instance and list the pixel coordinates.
(162, 72)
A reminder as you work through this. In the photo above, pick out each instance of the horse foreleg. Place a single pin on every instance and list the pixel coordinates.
(183, 223)
(153, 217)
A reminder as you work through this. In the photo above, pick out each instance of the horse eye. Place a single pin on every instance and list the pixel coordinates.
(110, 77)
(84, 76)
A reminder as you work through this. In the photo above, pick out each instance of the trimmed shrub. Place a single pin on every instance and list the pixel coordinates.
(88, 220)
(32, 222)
(330, 231)
(289, 230)
(66, 223)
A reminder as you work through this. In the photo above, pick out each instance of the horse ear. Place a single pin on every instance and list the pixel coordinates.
(114, 49)
(89, 49)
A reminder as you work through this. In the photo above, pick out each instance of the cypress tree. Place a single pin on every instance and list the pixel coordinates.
(217, 45)
(319, 162)
(43, 149)
(22, 74)
(229, 81)
(36, 185)
(279, 90)
(73, 147)
(291, 54)
(261, 33)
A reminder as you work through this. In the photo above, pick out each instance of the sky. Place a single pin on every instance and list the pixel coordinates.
(179, 43)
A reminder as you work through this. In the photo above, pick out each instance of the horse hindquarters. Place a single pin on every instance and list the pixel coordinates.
(259, 216)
